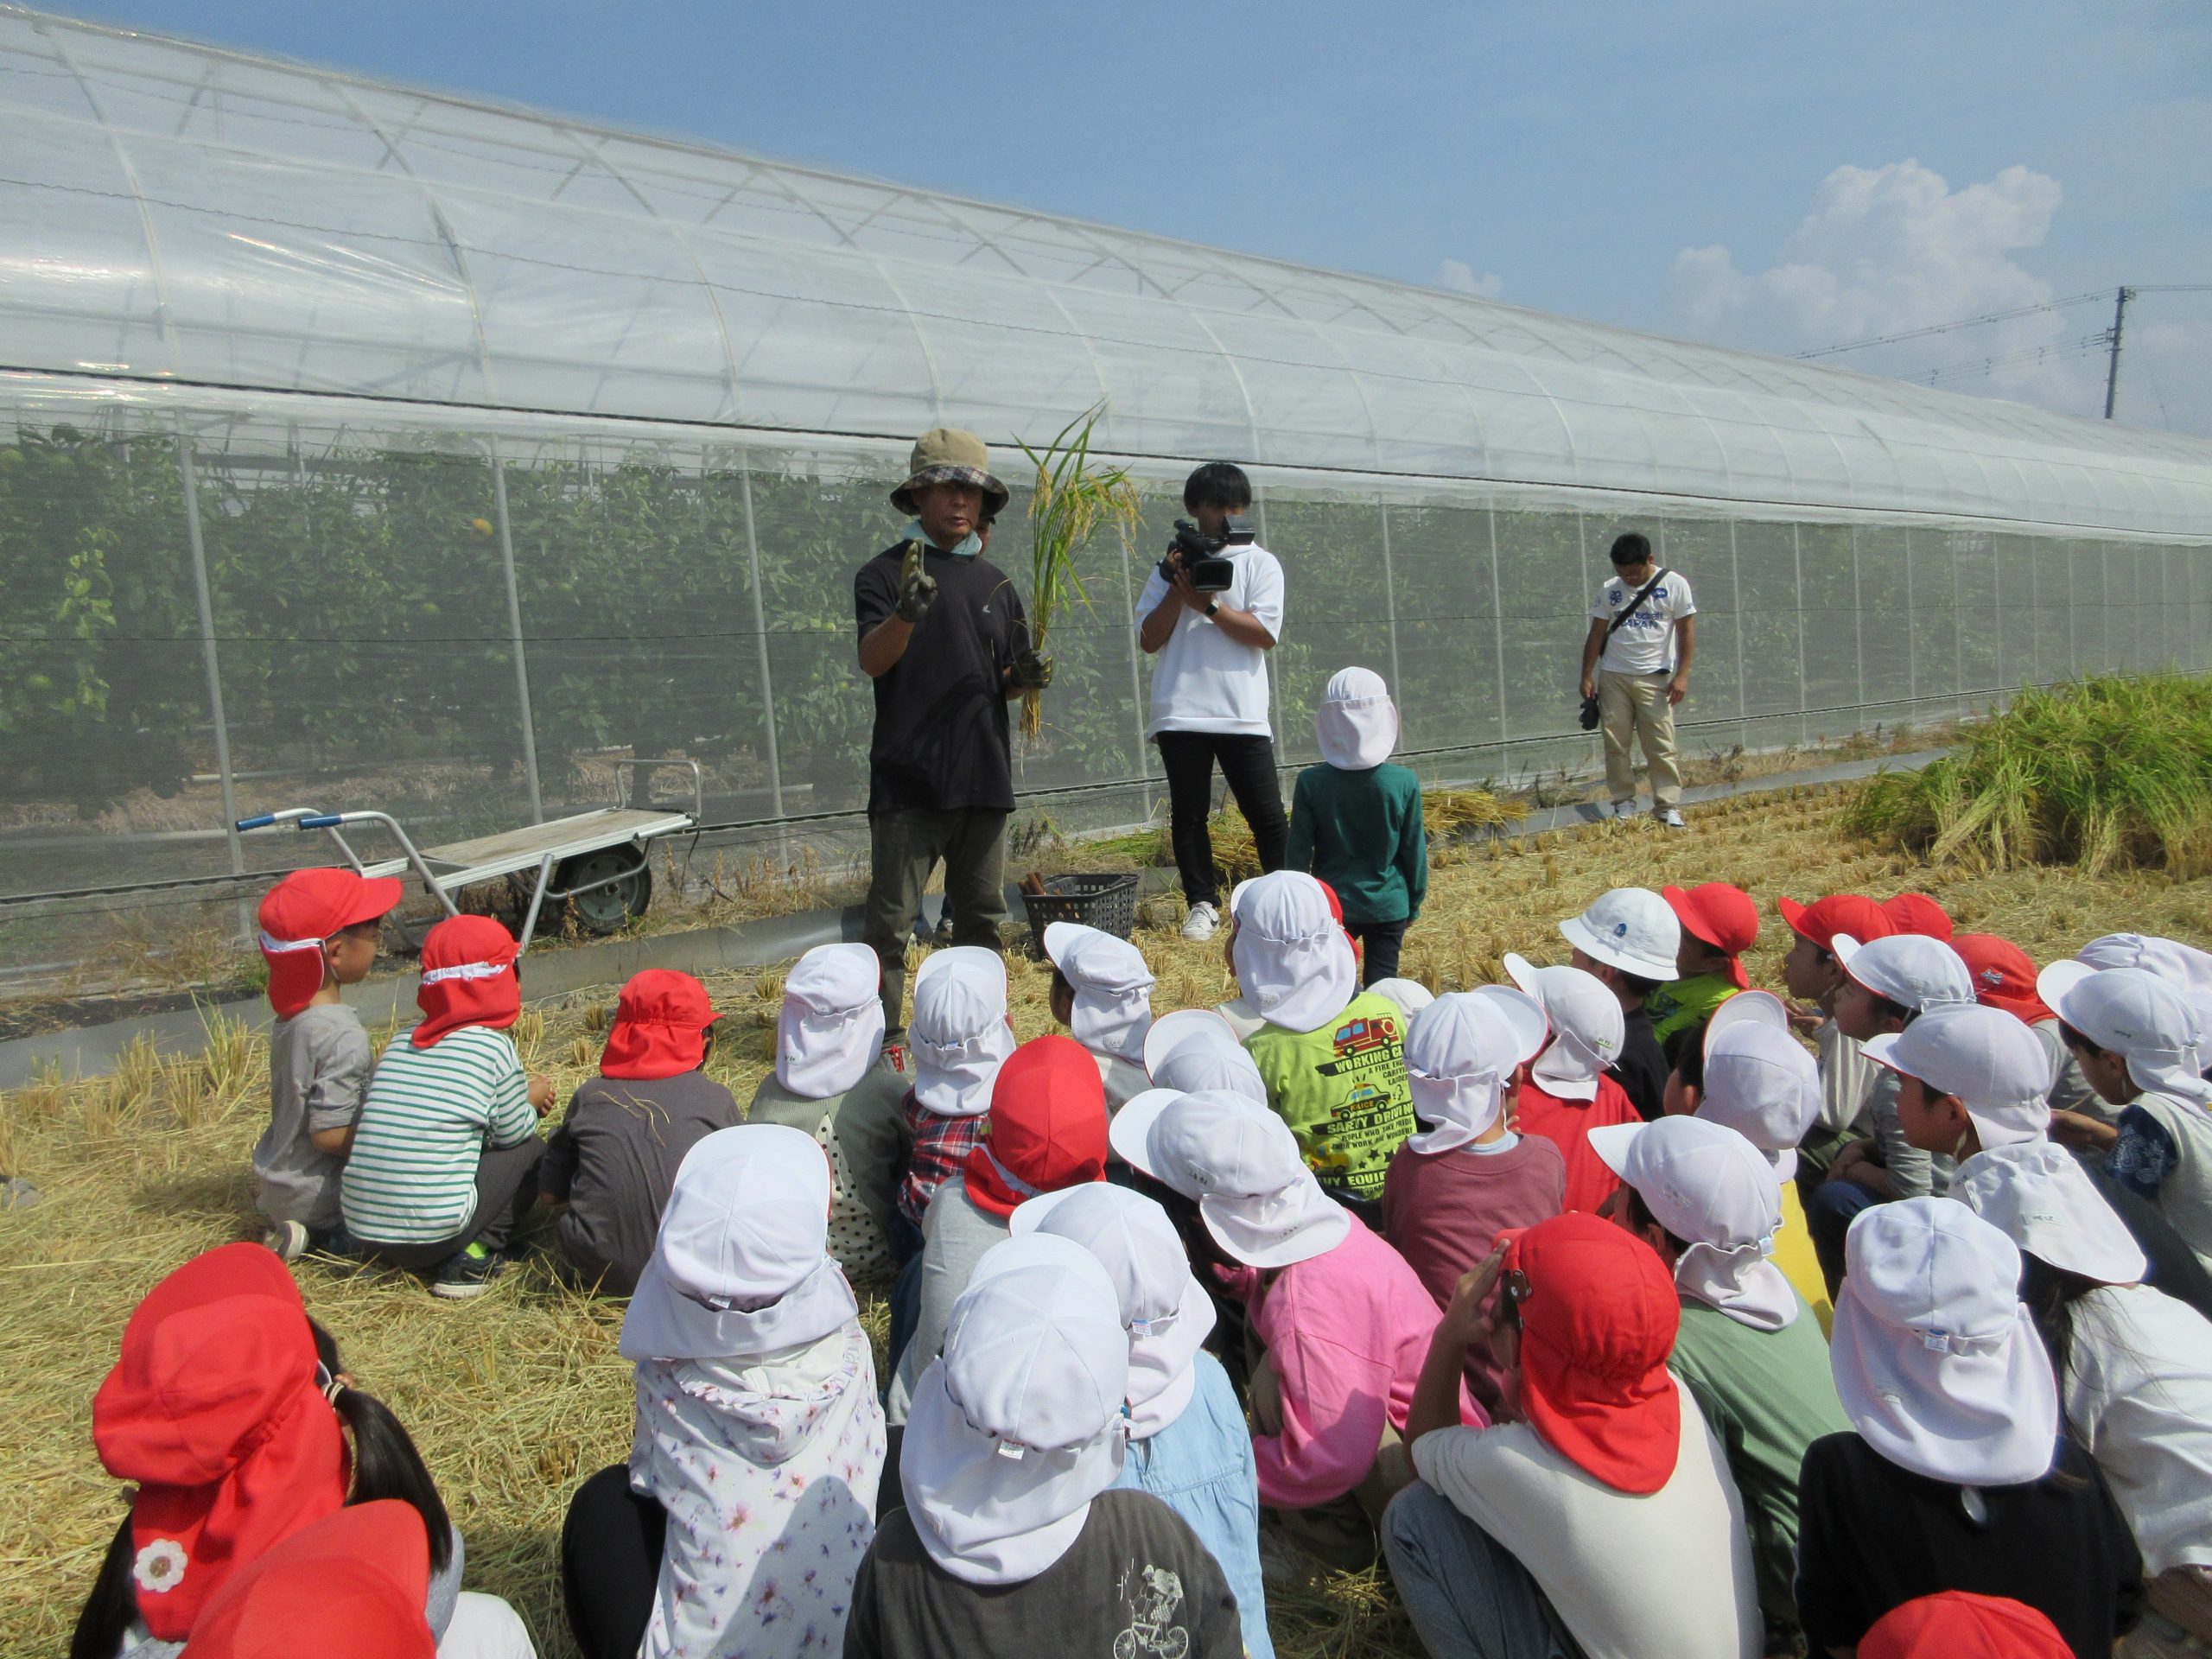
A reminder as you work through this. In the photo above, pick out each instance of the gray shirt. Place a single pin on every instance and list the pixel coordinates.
(1913, 1173)
(319, 1065)
(956, 1232)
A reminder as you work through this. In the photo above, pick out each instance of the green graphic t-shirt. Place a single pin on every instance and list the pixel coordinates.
(1343, 1090)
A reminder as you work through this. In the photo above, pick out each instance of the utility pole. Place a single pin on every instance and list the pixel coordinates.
(2112, 370)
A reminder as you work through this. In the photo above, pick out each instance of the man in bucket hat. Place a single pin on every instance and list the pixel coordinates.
(942, 635)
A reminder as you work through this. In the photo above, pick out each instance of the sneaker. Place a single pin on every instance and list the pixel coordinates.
(1621, 810)
(470, 1272)
(1203, 919)
(1670, 818)
(288, 1238)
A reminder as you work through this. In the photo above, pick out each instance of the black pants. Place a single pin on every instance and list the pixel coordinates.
(1379, 945)
(507, 1190)
(611, 1547)
(1248, 764)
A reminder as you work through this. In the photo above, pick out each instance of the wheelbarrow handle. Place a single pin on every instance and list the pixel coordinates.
(323, 821)
(287, 815)
(260, 822)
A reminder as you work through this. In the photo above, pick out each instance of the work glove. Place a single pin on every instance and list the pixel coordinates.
(917, 588)
(1030, 672)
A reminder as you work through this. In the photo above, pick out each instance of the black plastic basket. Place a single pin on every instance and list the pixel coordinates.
(1108, 903)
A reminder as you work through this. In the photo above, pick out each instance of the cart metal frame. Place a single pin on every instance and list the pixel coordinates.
(445, 869)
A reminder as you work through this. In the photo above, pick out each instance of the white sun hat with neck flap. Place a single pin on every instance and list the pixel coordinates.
(2137, 1015)
(1909, 969)
(1587, 1027)
(1461, 1053)
(2038, 1196)
(830, 1028)
(1112, 985)
(1195, 1049)
(1993, 1062)
(1759, 1081)
(1356, 725)
(959, 1030)
(1293, 959)
(1242, 1166)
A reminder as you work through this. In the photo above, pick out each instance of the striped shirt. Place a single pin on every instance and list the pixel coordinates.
(429, 1112)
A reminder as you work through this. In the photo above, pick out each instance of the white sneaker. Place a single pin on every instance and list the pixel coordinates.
(288, 1238)
(1203, 919)
(1621, 810)
(1670, 818)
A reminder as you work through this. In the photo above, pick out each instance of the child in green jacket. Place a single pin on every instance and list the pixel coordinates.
(1356, 821)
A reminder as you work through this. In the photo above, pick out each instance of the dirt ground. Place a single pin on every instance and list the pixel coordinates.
(516, 1397)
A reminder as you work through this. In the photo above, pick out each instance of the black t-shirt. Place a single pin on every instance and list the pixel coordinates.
(1642, 1069)
(941, 732)
(1136, 1581)
(1871, 1535)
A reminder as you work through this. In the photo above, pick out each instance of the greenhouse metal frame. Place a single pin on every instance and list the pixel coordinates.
(371, 446)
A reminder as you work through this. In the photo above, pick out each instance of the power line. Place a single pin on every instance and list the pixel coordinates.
(2096, 342)
(1965, 322)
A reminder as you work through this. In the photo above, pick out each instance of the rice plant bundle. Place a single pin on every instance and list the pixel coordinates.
(1072, 499)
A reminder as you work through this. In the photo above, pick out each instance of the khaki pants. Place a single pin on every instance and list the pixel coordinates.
(1339, 1533)
(1636, 705)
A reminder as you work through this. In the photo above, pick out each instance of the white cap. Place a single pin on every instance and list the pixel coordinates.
(1632, 929)
(1167, 1313)
(1410, 995)
(1752, 1007)
(1112, 989)
(1588, 1026)
(1936, 1362)
(1991, 1060)
(1716, 1191)
(959, 1031)
(1293, 959)
(1017, 1427)
(2184, 967)
(1908, 968)
(740, 1264)
(1762, 1083)
(2135, 1014)
(1195, 1049)
(1241, 1163)
(1356, 726)
(830, 1028)
(1461, 1053)
(2037, 1196)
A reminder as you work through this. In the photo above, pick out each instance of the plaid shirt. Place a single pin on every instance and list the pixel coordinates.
(941, 1147)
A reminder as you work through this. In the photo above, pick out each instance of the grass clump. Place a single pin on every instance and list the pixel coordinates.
(2101, 774)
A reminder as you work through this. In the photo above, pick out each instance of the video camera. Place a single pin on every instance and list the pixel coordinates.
(1209, 571)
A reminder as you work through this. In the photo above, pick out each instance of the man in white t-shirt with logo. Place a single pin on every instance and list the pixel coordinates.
(1636, 664)
(1209, 692)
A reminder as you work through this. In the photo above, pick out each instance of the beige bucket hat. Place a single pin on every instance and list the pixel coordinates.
(945, 455)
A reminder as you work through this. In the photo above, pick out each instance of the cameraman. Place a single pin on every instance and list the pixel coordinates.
(1210, 691)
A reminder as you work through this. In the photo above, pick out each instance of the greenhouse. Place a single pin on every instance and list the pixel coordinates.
(368, 447)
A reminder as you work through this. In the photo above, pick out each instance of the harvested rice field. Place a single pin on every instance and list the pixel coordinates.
(516, 1397)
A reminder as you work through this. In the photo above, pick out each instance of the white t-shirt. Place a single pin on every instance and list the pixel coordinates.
(1203, 680)
(2139, 1392)
(1667, 1576)
(1645, 643)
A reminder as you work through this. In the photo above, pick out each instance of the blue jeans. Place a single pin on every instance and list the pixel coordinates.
(1468, 1596)
(1828, 1215)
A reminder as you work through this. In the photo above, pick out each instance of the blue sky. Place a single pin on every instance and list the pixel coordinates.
(1765, 174)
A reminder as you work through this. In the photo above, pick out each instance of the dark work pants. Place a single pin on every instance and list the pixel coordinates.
(1247, 765)
(507, 1190)
(903, 848)
(611, 1547)
(1829, 1211)
(1379, 945)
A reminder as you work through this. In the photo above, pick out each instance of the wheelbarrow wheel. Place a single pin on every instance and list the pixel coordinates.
(607, 909)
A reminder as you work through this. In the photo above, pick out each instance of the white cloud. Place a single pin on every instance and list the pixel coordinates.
(1892, 248)
(1459, 277)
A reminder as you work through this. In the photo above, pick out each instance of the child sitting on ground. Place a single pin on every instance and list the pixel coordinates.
(445, 1157)
(1331, 1055)
(1188, 1442)
(758, 1444)
(1719, 923)
(1011, 1542)
(615, 1157)
(1811, 973)
(319, 932)
(1195, 1048)
(1567, 1091)
(1968, 1079)
(1468, 1178)
(1916, 913)
(828, 1085)
(2004, 977)
(1706, 1200)
(1632, 942)
(1335, 1321)
(1356, 820)
(1102, 992)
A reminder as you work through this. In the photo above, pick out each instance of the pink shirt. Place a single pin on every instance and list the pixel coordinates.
(1347, 1333)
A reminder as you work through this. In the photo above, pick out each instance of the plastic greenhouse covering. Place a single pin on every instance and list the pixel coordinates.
(364, 446)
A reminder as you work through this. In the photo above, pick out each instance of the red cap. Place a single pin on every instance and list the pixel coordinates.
(212, 1409)
(1337, 910)
(1725, 916)
(1916, 913)
(1839, 912)
(303, 910)
(469, 978)
(1047, 1126)
(350, 1586)
(1956, 1625)
(2004, 976)
(660, 1026)
(1596, 1328)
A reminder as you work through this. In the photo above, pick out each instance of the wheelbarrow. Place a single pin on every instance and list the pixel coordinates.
(595, 865)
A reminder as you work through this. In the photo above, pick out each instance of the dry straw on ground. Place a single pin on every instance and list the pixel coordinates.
(516, 1397)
